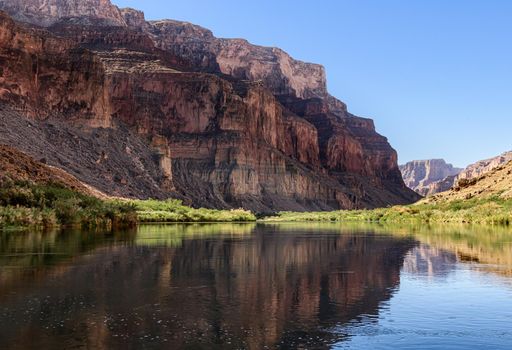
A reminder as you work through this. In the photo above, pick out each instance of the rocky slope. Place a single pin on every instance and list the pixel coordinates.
(17, 166)
(429, 176)
(219, 123)
(419, 176)
(114, 160)
(494, 183)
(484, 166)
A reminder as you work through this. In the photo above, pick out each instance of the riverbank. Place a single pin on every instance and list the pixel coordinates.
(173, 210)
(490, 211)
(25, 204)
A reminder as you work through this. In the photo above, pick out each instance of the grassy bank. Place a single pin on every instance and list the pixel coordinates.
(26, 204)
(174, 211)
(490, 211)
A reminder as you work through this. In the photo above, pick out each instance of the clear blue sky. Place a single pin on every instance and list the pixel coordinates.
(435, 75)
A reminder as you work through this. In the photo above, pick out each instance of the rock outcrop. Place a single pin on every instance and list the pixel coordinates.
(228, 124)
(428, 176)
(238, 58)
(484, 166)
(493, 183)
(419, 176)
(48, 12)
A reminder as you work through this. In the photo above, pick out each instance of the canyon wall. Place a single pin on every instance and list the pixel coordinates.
(429, 176)
(228, 124)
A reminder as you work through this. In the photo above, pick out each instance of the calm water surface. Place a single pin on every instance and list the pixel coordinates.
(288, 286)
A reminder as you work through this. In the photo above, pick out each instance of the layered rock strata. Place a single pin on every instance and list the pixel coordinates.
(429, 176)
(228, 124)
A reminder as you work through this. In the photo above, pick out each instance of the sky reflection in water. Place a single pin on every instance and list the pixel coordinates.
(288, 286)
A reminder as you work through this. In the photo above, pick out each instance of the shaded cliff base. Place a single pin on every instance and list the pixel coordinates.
(121, 163)
(36, 195)
(108, 159)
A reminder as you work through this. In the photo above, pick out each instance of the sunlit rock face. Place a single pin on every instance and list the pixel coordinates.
(47, 12)
(238, 58)
(429, 176)
(231, 124)
(484, 166)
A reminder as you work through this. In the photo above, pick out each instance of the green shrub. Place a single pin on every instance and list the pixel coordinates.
(492, 211)
(24, 203)
(172, 210)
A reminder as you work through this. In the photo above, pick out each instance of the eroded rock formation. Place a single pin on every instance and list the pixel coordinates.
(230, 124)
(484, 166)
(429, 176)
(47, 12)
(435, 176)
(495, 183)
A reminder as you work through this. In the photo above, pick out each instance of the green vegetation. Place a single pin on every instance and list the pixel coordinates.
(491, 211)
(26, 204)
(174, 211)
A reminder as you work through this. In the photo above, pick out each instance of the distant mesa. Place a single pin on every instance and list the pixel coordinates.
(429, 176)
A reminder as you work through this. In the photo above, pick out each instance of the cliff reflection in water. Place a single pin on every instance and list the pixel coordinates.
(235, 286)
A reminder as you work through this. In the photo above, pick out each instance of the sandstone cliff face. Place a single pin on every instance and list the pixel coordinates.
(234, 57)
(222, 139)
(47, 12)
(239, 59)
(423, 175)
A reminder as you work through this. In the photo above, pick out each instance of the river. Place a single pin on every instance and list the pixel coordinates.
(258, 286)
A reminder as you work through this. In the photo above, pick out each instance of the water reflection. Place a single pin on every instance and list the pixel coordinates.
(428, 261)
(194, 286)
(215, 286)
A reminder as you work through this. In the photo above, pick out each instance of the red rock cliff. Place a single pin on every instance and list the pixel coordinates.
(221, 138)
